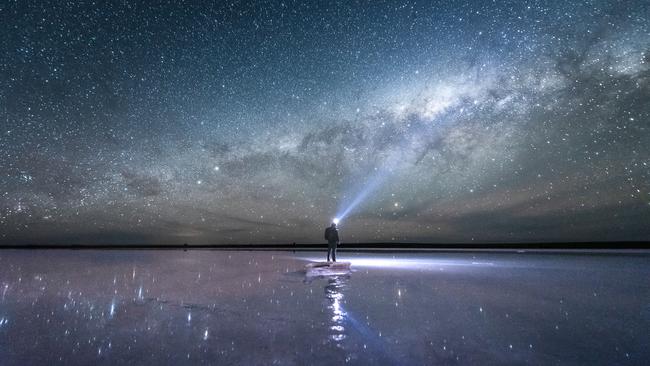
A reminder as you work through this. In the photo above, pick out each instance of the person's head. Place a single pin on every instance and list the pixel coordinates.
(333, 224)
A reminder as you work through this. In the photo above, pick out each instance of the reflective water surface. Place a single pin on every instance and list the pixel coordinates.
(258, 308)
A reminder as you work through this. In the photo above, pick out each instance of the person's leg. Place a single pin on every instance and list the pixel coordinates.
(329, 249)
(334, 253)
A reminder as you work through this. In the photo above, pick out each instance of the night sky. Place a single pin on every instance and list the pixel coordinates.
(258, 122)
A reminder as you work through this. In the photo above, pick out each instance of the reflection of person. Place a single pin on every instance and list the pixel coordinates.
(332, 237)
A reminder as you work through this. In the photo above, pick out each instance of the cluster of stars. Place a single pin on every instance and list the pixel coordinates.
(238, 123)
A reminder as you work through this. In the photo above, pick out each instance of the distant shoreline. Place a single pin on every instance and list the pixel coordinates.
(580, 247)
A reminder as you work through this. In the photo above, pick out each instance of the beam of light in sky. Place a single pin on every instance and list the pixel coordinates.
(432, 124)
(450, 119)
(370, 187)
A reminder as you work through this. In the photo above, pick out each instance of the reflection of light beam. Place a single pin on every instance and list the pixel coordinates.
(401, 263)
(340, 317)
(337, 310)
(333, 291)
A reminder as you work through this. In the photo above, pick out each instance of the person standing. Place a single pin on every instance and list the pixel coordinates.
(332, 237)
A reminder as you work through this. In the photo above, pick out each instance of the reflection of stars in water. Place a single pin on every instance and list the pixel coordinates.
(334, 293)
(83, 317)
(81, 311)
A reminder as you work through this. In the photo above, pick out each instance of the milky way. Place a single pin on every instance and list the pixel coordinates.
(517, 121)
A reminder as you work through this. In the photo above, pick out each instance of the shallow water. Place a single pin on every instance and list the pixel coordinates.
(219, 307)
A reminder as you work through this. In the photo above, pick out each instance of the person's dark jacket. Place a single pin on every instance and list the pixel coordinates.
(332, 235)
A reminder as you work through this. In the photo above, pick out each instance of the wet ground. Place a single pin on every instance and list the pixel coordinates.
(217, 307)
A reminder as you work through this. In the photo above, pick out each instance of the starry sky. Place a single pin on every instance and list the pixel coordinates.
(258, 122)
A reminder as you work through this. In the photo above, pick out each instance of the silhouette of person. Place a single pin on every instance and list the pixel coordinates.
(332, 237)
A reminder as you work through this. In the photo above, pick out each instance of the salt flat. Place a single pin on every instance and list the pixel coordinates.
(220, 307)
